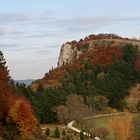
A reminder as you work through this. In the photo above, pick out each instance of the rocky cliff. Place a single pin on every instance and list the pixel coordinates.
(72, 50)
(67, 53)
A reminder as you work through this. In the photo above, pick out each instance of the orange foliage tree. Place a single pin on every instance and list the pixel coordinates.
(6, 98)
(4, 75)
(12, 106)
(105, 55)
(122, 126)
(22, 114)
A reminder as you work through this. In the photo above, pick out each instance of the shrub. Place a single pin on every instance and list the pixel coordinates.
(82, 136)
(47, 131)
(56, 133)
(63, 133)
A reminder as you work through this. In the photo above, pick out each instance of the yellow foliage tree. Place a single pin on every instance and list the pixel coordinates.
(122, 126)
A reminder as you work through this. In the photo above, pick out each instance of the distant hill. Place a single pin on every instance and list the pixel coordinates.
(26, 81)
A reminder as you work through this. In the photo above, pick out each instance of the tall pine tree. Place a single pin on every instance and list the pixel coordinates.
(6, 96)
(4, 75)
(16, 114)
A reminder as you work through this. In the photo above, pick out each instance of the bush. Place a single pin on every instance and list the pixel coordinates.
(56, 133)
(63, 133)
(47, 131)
(82, 137)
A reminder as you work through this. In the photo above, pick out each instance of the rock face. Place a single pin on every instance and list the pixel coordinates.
(67, 53)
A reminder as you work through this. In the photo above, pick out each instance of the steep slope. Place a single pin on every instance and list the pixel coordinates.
(97, 49)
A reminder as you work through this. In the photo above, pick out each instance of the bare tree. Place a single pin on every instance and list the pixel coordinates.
(77, 108)
(97, 103)
(62, 114)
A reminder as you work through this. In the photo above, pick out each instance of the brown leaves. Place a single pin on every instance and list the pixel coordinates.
(21, 113)
(105, 55)
(137, 63)
(6, 101)
(62, 114)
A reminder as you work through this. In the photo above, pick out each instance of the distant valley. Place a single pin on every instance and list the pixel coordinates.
(26, 81)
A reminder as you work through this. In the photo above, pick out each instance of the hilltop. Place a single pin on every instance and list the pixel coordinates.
(74, 49)
(98, 49)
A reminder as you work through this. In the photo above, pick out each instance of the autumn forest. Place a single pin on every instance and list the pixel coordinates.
(103, 78)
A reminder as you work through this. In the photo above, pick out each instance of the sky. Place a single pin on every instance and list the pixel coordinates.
(33, 31)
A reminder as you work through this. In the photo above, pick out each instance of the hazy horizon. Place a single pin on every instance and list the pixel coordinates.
(32, 32)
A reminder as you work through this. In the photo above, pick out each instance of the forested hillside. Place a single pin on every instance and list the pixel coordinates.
(98, 80)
